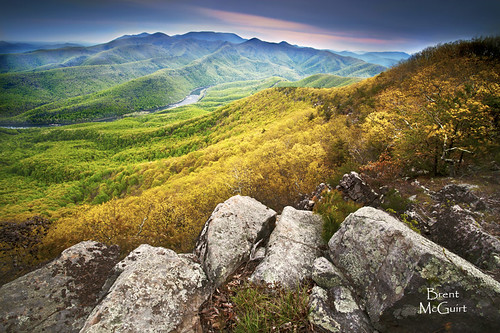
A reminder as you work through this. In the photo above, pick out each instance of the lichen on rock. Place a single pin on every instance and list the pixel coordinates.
(59, 296)
(293, 246)
(394, 269)
(156, 290)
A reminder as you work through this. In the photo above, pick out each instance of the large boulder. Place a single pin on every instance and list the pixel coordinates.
(232, 231)
(156, 290)
(59, 296)
(356, 189)
(468, 241)
(332, 304)
(407, 282)
(293, 246)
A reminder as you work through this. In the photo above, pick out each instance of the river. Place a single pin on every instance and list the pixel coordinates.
(193, 97)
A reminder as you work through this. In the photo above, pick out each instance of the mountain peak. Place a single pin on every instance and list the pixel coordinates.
(143, 35)
(212, 36)
(255, 41)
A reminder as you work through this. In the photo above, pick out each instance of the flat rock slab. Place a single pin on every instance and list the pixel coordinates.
(293, 246)
(59, 296)
(229, 235)
(407, 282)
(156, 290)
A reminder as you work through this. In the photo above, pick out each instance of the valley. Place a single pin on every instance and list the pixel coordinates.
(144, 72)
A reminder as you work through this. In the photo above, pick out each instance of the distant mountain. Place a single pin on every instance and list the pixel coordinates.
(212, 36)
(148, 71)
(387, 59)
(144, 34)
(8, 47)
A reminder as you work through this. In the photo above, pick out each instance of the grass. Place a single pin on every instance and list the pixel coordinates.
(259, 309)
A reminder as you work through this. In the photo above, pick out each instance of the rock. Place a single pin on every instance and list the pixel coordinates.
(156, 290)
(308, 201)
(336, 310)
(59, 296)
(398, 274)
(355, 188)
(468, 241)
(293, 246)
(230, 234)
(326, 275)
(460, 194)
(332, 305)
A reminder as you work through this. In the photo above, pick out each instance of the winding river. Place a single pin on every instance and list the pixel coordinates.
(193, 97)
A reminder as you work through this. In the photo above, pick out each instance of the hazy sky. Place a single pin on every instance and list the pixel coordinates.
(407, 25)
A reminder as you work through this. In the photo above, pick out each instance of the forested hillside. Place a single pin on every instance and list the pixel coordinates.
(155, 179)
(147, 72)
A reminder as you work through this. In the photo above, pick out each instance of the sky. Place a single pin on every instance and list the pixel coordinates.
(368, 25)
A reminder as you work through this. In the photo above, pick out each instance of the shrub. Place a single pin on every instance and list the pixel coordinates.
(20, 246)
(395, 202)
(334, 209)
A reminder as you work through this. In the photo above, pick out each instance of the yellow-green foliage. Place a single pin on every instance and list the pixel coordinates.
(334, 209)
(157, 178)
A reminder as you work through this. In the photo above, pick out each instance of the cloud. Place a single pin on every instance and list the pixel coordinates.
(295, 32)
(248, 20)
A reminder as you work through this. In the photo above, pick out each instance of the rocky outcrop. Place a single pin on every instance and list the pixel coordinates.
(232, 231)
(156, 290)
(309, 201)
(375, 275)
(333, 306)
(59, 296)
(468, 241)
(293, 246)
(356, 189)
(460, 194)
(408, 283)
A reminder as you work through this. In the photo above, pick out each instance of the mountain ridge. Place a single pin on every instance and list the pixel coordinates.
(182, 64)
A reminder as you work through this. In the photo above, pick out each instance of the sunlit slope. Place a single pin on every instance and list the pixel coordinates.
(321, 81)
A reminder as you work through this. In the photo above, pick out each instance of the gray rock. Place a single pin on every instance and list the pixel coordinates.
(59, 296)
(355, 188)
(326, 275)
(460, 194)
(230, 234)
(156, 290)
(396, 271)
(309, 201)
(293, 246)
(468, 240)
(336, 310)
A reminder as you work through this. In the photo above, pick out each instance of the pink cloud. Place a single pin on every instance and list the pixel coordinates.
(300, 33)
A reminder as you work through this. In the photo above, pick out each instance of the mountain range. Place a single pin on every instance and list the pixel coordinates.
(148, 71)
(387, 59)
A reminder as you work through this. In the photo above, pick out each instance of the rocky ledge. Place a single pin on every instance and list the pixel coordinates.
(374, 275)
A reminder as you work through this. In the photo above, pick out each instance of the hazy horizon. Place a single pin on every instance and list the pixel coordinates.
(90, 43)
(356, 25)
